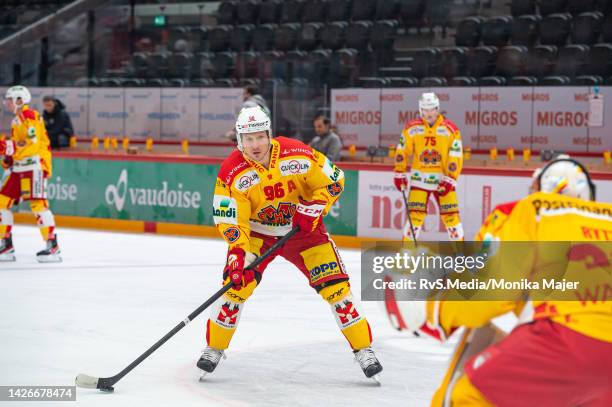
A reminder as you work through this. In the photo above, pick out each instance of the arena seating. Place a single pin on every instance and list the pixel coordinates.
(344, 43)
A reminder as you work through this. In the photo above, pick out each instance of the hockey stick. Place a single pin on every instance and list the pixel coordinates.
(415, 333)
(409, 220)
(106, 383)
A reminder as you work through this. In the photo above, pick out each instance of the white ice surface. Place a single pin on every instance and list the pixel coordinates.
(117, 294)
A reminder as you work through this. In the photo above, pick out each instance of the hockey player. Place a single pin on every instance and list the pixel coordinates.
(560, 353)
(434, 143)
(263, 190)
(27, 160)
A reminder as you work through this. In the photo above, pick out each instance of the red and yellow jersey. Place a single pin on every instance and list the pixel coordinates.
(494, 222)
(32, 147)
(249, 197)
(583, 232)
(436, 152)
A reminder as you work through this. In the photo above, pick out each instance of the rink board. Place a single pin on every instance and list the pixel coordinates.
(174, 195)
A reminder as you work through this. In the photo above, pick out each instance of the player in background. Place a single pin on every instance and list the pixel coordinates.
(434, 143)
(263, 190)
(27, 160)
(560, 353)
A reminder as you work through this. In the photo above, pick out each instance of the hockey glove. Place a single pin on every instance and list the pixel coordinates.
(401, 181)
(307, 215)
(7, 147)
(235, 268)
(446, 185)
(7, 162)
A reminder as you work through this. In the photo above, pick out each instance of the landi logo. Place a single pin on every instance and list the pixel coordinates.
(163, 197)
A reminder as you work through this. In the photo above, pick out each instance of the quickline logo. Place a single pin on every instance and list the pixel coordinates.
(165, 196)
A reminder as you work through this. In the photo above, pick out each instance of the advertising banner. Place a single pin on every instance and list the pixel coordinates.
(5, 115)
(157, 192)
(370, 206)
(179, 114)
(357, 114)
(496, 117)
(400, 105)
(549, 118)
(560, 118)
(218, 111)
(143, 109)
(107, 112)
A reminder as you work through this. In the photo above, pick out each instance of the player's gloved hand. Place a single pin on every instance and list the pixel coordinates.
(307, 215)
(7, 147)
(235, 268)
(446, 185)
(401, 181)
(7, 162)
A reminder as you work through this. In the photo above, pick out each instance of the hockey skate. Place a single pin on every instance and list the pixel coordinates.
(369, 364)
(7, 252)
(209, 360)
(51, 254)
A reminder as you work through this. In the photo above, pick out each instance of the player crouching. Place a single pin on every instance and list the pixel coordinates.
(560, 352)
(264, 189)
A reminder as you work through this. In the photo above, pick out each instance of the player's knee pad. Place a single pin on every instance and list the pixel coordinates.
(335, 292)
(353, 325)
(225, 315)
(464, 393)
(240, 296)
(44, 217)
(411, 232)
(453, 226)
(40, 206)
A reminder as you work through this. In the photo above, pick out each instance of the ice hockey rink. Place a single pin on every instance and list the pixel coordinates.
(116, 294)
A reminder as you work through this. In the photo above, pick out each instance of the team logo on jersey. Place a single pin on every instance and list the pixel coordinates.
(231, 234)
(228, 315)
(334, 189)
(333, 173)
(277, 216)
(225, 210)
(442, 131)
(399, 158)
(430, 157)
(416, 130)
(294, 166)
(452, 167)
(346, 313)
(246, 181)
(456, 146)
(432, 180)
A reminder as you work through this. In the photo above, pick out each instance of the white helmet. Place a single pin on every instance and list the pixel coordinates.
(566, 176)
(18, 92)
(428, 100)
(252, 120)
